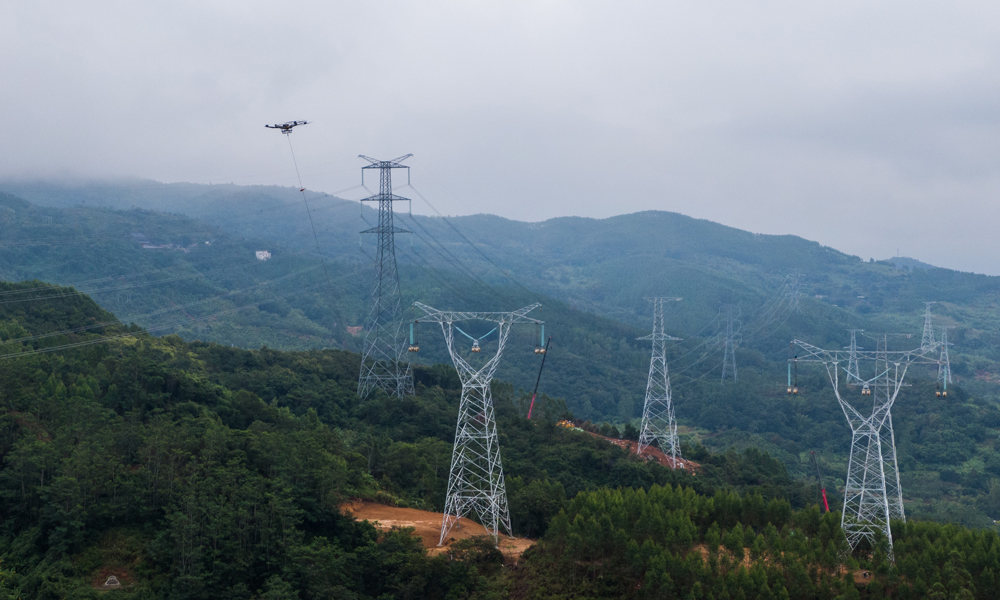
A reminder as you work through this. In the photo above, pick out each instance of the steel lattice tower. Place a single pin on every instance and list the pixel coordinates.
(733, 326)
(476, 482)
(853, 375)
(382, 364)
(927, 339)
(871, 493)
(658, 422)
(794, 292)
(944, 363)
(883, 388)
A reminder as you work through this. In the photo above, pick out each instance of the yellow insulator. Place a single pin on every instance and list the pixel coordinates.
(789, 391)
(795, 390)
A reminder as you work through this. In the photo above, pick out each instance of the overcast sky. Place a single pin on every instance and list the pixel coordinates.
(865, 126)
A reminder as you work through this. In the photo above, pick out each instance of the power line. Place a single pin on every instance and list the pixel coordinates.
(474, 247)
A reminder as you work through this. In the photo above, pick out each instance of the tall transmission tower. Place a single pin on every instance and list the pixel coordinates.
(927, 339)
(944, 363)
(382, 364)
(476, 482)
(732, 340)
(658, 421)
(794, 292)
(870, 493)
(883, 386)
(853, 376)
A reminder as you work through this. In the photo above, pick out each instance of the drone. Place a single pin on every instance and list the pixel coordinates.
(286, 128)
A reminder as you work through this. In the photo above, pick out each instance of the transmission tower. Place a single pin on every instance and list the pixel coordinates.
(382, 364)
(794, 292)
(658, 421)
(883, 386)
(733, 326)
(853, 376)
(476, 482)
(944, 363)
(872, 495)
(927, 340)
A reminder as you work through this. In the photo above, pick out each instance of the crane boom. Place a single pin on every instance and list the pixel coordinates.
(819, 479)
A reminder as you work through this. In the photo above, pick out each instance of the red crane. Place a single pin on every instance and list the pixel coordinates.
(819, 480)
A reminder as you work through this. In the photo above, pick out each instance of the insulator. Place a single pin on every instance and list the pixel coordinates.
(937, 393)
(795, 390)
(789, 391)
(945, 393)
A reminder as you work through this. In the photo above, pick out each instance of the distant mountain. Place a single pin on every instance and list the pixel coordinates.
(904, 262)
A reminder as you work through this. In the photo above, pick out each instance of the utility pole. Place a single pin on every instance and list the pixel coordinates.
(733, 326)
(476, 482)
(382, 364)
(658, 422)
(871, 494)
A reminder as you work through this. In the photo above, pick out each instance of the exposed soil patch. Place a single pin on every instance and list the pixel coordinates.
(652, 453)
(427, 526)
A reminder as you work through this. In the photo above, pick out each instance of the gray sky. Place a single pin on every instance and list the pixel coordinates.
(865, 126)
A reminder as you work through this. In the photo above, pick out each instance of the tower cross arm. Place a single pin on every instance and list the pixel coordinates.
(395, 163)
(392, 229)
(381, 197)
(815, 353)
(433, 315)
(661, 337)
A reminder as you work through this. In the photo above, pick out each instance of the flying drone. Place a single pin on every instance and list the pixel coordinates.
(286, 128)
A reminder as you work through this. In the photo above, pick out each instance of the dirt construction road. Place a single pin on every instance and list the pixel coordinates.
(427, 526)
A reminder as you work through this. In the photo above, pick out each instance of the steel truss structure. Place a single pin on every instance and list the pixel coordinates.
(382, 364)
(872, 494)
(476, 482)
(944, 363)
(733, 339)
(928, 336)
(658, 423)
(853, 375)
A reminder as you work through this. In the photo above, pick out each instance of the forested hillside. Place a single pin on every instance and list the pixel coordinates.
(195, 470)
(219, 292)
(206, 471)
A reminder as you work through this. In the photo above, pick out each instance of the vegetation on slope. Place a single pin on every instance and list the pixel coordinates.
(195, 470)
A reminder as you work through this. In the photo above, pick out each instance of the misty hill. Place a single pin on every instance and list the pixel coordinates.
(579, 267)
(603, 266)
(905, 262)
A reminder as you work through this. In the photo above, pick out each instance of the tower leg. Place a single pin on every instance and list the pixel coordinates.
(893, 488)
(866, 507)
(476, 482)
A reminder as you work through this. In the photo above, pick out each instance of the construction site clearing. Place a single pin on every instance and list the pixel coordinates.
(648, 453)
(427, 526)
